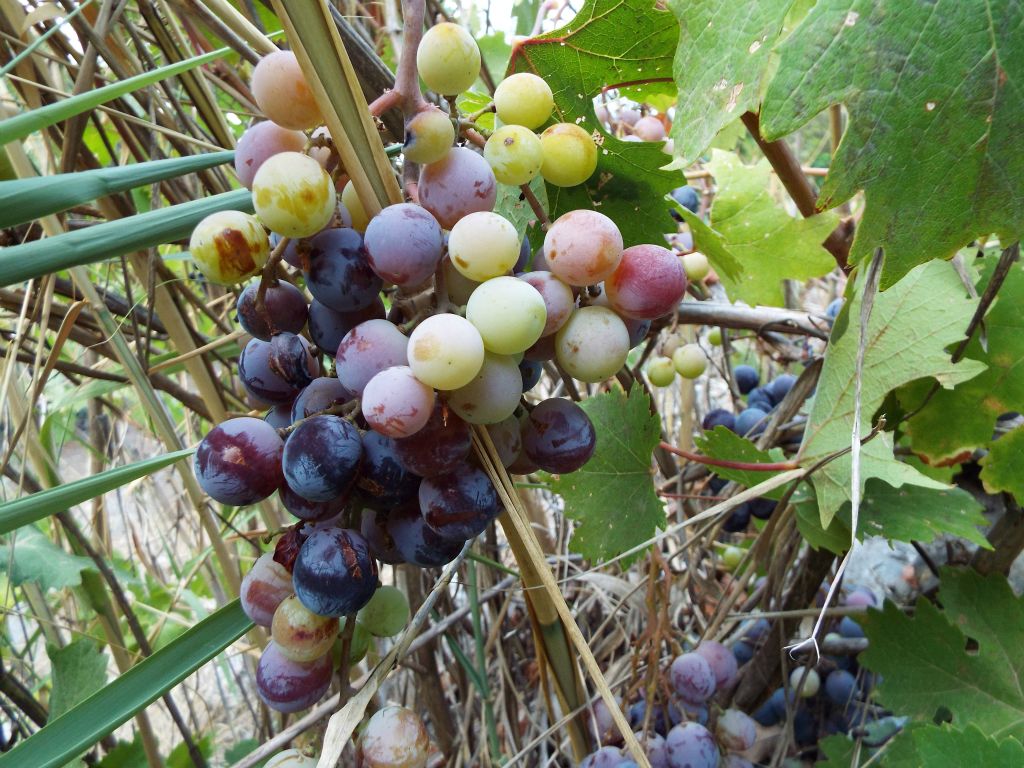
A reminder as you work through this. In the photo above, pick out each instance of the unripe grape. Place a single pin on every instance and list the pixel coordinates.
(811, 684)
(661, 372)
(293, 195)
(261, 141)
(715, 337)
(386, 614)
(483, 245)
(448, 59)
(429, 136)
(583, 247)
(515, 154)
(696, 266)
(690, 361)
(732, 557)
(394, 738)
(523, 99)
(649, 129)
(459, 287)
(593, 344)
(445, 351)
(282, 93)
(570, 155)
(300, 634)
(509, 314)
(350, 199)
(291, 758)
(229, 247)
(493, 395)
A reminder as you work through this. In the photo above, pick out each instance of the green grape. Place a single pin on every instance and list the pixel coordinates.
(689, 361)
(811, 684)
(446, 351)
(715, 337)
(358, 647)
(459, 287)
(570, 155)
(661, 372)
(429, 136)
(509, 314)
(349, 198)
(493, 395)
(483, 245)
(696, 266)
(515, 154)
(448, 59)
(731, 557)
(386, 614)
(229, 246)
(523, 99)
(293, 195)
(593, 344)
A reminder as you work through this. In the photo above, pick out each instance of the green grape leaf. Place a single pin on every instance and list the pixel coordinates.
(721, 443)
(609, 44)
(974, 405)
(471, 102)
(1003, 468)
(945, 747)
(127, 754)
(909, 513)
(935, 101)
(611, 498)
(511, 204)
(754, 229)
(495, 50)
(925, 664)
(910, 327)
(29, 556)
(720, 66)
(78, 671)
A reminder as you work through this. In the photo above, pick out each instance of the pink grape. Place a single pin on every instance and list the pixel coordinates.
(261, 141)
(691, 745)
(440, 446)
(649, 282)
(282, 93)
(649, 129)
(460, 184)
(367, 350)
(394, 737)
(583, 247)
(299, 633)
(722, 661)
(692, 678)
(395, 403)
(289, 686)
(558, 299)
(263, 588)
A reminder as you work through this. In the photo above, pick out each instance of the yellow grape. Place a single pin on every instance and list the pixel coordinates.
(690, 361)
(349, 198)
(429, 136)
(696, 266)
(448, 59)
(229, 247)
(300, 634)
(281, 91)
(661, 372)
(523, 99)
(483, 245)
(509, 313)
(293, 195)
(570, 155)
(515, 154)
(593, 344)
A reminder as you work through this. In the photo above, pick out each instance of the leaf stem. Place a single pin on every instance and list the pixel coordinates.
(778, 466)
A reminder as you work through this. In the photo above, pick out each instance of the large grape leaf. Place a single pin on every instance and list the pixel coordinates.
(935, 94)
(921, 744)
(926, 667)
(79, 670)
(910, 327)
(721, 443)
(974, 406)
(29, 556)
(624, 44)
(1003, 467)
(612, 497)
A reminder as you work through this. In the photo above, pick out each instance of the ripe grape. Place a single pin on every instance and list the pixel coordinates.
(746, 377)
(368, 349)
(558, 436)
(458, 286)
(334, 573)
(736, 730)
(439, 447)
(429, 136)
(692, 678)
(291, 357)
(543, 349)
(509, 314)
(284, 310)
(833, 309)
(860, 597)
(263, 588)
(395, 403)
(722, 662)
(531, 371)
(293, 195)
(515, 154)
(751, 421)
(239, 461)
(288, 686)
(582, 247)
(690, 361)
(351, 201)
(688, 197)
(321, 457)
(648, 283)
(637, 330)
(758, 397)
(811, 683)
(559, 301)
(691, 745)
(738, 520)
(327, 327)
(374, 528)
(300, 634)
(655, 748)
(282, 93)
(394, 738)
(259, 376)
(493, 394)
(383, 482)
(696, 266)
(661, 372)
(387, 613)
(417, 542)
(840, 687)
(456, 186)
(483, 245)
(337, 271)
(649, 129)
(629, 116)
(523, 99)
(322, 393)
(290, 758)
(261, 141)
(507, 438)
(229, 247)
(593, 344)
(780, 387)
(605, 757)
(458, 505)
(279, 416)
(570, 155)
(310, 511)
(448, 59)
(445, 351)
(404, 244)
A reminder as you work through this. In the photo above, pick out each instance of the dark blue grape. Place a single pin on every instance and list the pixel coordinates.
(292, 358)
(239, 461)
(738, 519)
(374, 527)
(756, 630)
(833, 308)
(280, 416)
(334, 573)
(322, 393)
(558, 436)
(415, 540)
(840, 686)
(688, 197)
(327, 327)
(805, 727)
(751, 421)
(743, 651)
(759, 397)
(321, 458)
(459, 504)
(383, 481)
(719, 417)
(780, 387)
(259, 378)
(338, 273)
(762, 508)
(311, 511)
(637, 330)
(746, 377)
(531, 371)
(850, 628)
(523, 262)
(284, 310)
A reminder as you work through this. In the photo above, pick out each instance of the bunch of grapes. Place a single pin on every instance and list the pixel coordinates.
(436, 322)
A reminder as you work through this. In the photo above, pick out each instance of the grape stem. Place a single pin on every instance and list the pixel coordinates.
(778, 466)
(538, 209)
(269, 278)
(406, 93)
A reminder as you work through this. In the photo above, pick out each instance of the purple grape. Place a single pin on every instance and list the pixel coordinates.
(840, 687)
(691, 745)
(746, 377)
(522, 465)
(321, 393)
(735, 761)
(337, 271)
(403, 244)
(383, 481)
(655, 748)
(743, 651)
(751, 421)
(773, 710)
(292, 358)
(321, 458)
(692, 678)
(311, 511)
(738, 519)
(736, 730)
(603, 719)
(374, 527)
(722, 662)
(284, 310)
(280, 416)
(719, 417)
(368, 349)
(263, 588)
(759, 397)
(458, 505)
(460, 184)
(395, 403)
(605, 757)
(327, 327)
(692, 712)
(417, 542)
(761, 508)
(756, 630)
(860, 597)
(523, 262)
(543, 349)
(847, 627)
(288, 686)
(334, 573)
(637, 330)
(239, 461)
(260, 141)
(259, 377)
(559, 436)
(443, 444)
